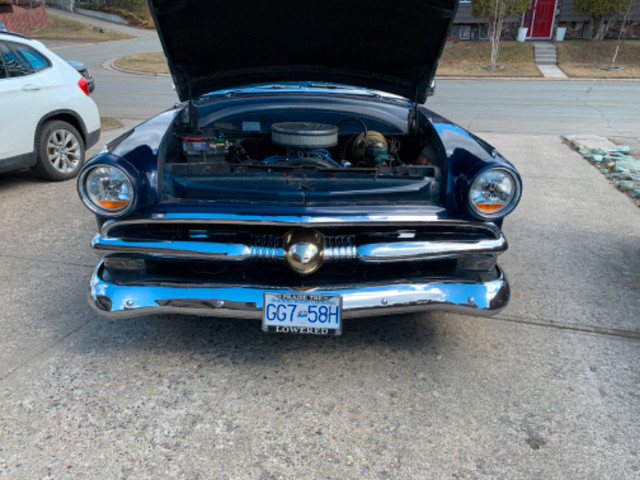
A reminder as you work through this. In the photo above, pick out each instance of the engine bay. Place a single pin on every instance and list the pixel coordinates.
(284, 158)
(305, 144)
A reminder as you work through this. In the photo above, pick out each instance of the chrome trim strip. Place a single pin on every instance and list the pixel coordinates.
(267, 254)
(368, 253)
(179, 249)
(425, 218)
(412, 251)
(245, 301)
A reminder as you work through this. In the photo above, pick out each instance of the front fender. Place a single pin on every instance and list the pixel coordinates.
(136, 151)
(466, 156)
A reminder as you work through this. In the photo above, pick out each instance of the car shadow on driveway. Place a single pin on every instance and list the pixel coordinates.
(242, 341)
(19, 178)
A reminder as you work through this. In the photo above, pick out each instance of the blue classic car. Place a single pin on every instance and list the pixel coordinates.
(302, 181)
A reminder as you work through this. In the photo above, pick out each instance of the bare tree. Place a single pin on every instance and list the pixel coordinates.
(494, 12)
(623, 30)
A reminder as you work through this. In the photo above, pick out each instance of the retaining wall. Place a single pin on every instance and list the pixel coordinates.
(102, 15)
(23, 16)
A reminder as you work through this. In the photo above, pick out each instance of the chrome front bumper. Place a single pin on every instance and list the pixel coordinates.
(139, 296)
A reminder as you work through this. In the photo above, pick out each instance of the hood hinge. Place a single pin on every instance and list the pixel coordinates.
(193, 117)
(413, 120)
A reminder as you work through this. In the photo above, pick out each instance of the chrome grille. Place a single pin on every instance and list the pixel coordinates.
(266, 248)
(199, 240)
(340, 249)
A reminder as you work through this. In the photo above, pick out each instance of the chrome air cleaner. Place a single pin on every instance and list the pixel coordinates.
(304, 135)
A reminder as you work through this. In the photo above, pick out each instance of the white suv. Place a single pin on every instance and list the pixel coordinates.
(47, 119)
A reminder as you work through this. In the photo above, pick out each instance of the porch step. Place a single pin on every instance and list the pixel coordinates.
(544, 53)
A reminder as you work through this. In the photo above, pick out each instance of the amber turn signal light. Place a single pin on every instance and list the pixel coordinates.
(106, 190)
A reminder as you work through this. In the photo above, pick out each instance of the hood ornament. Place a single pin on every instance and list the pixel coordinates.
(303, 250)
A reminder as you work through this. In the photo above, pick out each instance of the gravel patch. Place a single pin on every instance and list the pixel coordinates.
(620, 163)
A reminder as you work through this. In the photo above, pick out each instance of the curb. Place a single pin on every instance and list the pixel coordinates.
(541, 79)
(110, 65)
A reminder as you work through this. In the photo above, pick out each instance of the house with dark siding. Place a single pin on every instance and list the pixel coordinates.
(541, 20)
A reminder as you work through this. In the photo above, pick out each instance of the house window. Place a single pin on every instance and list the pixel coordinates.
(462, 31)
(483, 32)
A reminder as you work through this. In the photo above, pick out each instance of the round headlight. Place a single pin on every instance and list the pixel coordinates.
(107, 190)
(494, 193)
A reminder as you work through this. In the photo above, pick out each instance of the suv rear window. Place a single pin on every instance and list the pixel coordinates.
(12, 63)
(18, 60)
(35, 60)
(3, 71)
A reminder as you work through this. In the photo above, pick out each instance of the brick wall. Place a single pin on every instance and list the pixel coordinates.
(23, 16)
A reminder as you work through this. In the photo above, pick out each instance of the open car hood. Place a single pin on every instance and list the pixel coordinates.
(389, 45)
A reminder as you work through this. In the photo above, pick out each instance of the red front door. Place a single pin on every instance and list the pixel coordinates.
(539, 18)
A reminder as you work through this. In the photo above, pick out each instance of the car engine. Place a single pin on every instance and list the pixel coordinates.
(297, 161)
(304, 144)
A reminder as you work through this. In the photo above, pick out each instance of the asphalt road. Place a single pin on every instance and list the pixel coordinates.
(118, 94)
(547, 389)
(541, 106)
(513, 106)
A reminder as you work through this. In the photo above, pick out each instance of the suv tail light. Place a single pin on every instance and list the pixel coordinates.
(84, 85)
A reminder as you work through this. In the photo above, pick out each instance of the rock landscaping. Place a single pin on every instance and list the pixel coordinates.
(618, 162)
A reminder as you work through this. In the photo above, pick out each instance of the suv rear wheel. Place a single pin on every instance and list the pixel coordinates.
(60, 151)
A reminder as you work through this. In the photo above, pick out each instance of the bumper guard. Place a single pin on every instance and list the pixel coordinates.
(144, 296)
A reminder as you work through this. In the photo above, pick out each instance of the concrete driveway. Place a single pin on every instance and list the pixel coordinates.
(547, 389)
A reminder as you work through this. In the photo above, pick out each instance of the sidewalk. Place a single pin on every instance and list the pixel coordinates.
(546, 60)
(132, 31)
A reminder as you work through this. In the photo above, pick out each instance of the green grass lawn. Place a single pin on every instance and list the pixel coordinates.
(583, 58)
(577, 58)
(59, 28)
(152, 62)
(110, 123)
(466, 59)
(463, 59)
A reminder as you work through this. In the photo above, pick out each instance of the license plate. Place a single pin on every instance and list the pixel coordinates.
(302, 313)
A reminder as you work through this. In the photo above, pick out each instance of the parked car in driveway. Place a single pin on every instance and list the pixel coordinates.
(302, 181)
(82, 69)
(48, 118)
